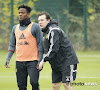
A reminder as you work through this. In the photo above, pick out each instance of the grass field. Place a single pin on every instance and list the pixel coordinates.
(88, 75)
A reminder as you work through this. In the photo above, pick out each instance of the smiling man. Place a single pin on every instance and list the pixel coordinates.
(26, 38)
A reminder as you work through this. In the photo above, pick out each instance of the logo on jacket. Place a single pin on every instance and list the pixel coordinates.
(47, 36)
(22, 36)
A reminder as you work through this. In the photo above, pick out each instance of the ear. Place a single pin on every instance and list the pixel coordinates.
(28, 15)
(48, 20)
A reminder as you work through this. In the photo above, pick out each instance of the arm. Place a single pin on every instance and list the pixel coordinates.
(54, 45)
(36, 32)
(41, 65)
(11, 48)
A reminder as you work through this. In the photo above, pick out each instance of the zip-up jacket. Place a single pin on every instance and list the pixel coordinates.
(57, 47)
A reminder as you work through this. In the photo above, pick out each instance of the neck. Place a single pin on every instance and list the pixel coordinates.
(25, 22)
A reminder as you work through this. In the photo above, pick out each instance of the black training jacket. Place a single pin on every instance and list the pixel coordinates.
(57, 47)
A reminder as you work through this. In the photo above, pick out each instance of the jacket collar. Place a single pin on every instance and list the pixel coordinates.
(49, 24)
(25, 22)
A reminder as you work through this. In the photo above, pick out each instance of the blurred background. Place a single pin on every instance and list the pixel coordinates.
(80, 19)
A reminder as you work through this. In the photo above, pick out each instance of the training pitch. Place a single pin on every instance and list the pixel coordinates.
(88, 75)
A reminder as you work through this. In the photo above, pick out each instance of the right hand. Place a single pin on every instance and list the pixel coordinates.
(7, 64)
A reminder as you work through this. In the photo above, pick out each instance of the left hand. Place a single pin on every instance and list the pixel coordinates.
(41, 65)
(39, 69)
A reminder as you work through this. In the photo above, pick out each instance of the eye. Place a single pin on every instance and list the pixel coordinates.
(42, 20)
(21, 13)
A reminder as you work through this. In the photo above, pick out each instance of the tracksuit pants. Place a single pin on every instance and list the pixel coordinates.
(23, 69)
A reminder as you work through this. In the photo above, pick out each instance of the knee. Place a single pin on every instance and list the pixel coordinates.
(22, 87)
(35, 86)
(34, 83)
(55, 85)
(66, 85)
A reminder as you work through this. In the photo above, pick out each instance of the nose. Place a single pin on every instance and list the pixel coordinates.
(39, 22)
(20, 14)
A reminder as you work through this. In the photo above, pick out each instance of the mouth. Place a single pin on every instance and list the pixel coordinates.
(20, 18)
(41, 26)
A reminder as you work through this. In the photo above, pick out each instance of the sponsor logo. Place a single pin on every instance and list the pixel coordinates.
(22, 43)
(22, 36)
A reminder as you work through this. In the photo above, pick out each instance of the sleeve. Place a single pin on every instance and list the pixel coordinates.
(38, 35)
(12, 44)
(54, 45)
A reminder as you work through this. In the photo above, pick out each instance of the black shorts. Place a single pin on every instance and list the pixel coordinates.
(66, 75)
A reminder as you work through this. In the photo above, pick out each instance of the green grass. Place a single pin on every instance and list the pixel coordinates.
(88, 72)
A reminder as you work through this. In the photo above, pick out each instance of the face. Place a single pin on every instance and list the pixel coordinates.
(23, 14)
(43, 21)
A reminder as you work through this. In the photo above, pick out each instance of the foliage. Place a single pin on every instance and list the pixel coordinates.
(69, 14)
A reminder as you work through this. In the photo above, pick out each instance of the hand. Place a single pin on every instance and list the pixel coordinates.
(40, 66)
(7, 64)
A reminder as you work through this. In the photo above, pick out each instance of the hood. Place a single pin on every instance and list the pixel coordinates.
(49, 24)
(52, 22)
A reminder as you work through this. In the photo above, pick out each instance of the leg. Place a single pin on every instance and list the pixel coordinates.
(33, 74)
(56, 86)
(21, 74)
(56, 80)
(69, 75)
(67, 86)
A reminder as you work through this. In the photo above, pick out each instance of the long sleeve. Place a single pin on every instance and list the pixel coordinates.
(54, 45)
(12, 44)
(38, 35)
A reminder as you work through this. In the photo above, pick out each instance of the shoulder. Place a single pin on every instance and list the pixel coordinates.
(35, 25)
(35, 29)
(54, 29)
(14, 28)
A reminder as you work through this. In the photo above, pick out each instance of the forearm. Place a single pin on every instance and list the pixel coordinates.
(54, 46)
(10, 53)
(42, 62)
(40, 56)
(11, 50)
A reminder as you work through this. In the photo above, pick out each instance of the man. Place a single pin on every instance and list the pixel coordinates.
(26, 37)
(58, 51)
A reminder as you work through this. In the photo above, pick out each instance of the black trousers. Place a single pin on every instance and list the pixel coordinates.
(23, 69)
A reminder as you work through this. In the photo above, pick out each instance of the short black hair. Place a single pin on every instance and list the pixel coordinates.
(26, 7)
(46, 14)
